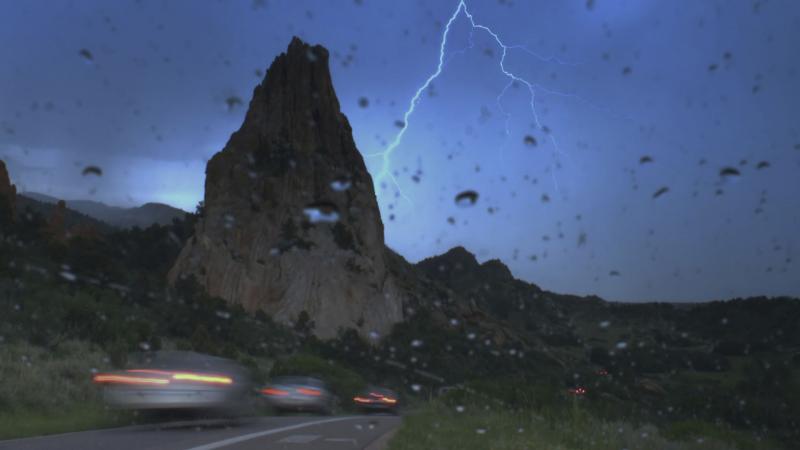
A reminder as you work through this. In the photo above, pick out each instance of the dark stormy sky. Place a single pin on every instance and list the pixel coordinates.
(693, 87)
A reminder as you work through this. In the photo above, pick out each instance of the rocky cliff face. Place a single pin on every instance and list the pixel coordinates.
(8, 196)
(290, 220)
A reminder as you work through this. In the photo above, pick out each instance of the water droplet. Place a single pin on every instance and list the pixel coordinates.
(530, 140)
(324, 212)
(481, 430)
(729, 173)
(416, 343)
(311, 56)
(459, 408)
(229, 219)
(92, 170)
(341, 184)
(622, 345)
(69, 276)
(232, 102)
(604, 324)
(466, 198)
(86, 55)
(661, 191)
(416, 388)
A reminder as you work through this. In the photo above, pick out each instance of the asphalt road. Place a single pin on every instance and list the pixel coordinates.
(278, 433)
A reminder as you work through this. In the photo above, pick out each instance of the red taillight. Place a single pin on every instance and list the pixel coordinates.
(125, 379)
(373, 397)
(306, 391)
(273, 391)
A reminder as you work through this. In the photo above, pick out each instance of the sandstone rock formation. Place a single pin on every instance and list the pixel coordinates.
(56, 229)
(8, 196)
(290, 220)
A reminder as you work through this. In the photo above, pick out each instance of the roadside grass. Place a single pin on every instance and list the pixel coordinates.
(20, 424)
(48, 380)
(46, 391)
(483, 427)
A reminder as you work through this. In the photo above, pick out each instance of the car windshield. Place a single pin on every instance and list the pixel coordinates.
(400, 225)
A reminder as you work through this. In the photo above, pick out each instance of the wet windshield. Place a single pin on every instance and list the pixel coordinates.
(450, 224)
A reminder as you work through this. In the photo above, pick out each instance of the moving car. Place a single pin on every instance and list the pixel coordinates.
(297, 393)
(377, 399)
(177, 380)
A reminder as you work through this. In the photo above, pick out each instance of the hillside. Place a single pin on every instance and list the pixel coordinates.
(72, 217)
(119, 217)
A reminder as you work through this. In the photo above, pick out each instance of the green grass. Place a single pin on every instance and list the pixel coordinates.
(694, 430)
(485, 427)
(49, 380)
(78, 418)
(46, 391)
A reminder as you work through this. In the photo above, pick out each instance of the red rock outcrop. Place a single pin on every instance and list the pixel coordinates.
(8, 196)
(55, 223)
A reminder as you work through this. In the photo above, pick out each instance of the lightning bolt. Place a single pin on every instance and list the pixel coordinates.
(513, 78)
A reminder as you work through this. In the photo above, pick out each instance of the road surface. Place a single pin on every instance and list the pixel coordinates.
(278, 433)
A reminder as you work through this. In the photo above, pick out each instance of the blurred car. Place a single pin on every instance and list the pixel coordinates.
(165, 380)
(376, 399)
(297, 393)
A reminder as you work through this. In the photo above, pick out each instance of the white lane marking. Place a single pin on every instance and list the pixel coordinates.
(247, 437)
(299, 439)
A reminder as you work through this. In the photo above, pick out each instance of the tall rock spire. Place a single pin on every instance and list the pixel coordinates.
(290, 220)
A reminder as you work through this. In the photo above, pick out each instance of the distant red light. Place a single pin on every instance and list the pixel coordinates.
(577, 391)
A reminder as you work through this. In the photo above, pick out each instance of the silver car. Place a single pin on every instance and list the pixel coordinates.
(177, 380)
(296, 393)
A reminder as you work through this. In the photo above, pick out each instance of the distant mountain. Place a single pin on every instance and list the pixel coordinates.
(141, 216)
(72, 217)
